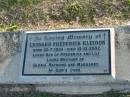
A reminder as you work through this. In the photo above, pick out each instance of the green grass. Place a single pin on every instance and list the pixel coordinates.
(11, 27)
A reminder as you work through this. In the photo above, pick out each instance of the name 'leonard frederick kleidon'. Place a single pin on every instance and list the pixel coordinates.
(72, 43)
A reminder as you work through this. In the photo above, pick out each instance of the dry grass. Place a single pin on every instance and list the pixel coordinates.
(53, 25)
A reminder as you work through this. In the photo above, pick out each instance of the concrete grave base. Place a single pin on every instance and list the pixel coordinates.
(84, 89)
(10, 56)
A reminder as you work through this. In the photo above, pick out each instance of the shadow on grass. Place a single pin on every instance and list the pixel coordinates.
(112, 93)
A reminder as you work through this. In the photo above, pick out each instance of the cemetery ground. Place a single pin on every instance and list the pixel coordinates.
(53, 25)
(55, 14)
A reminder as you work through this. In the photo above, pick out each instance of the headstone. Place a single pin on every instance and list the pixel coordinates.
(67, 53)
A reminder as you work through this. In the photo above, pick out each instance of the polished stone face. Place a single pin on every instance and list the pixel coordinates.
(82, 52)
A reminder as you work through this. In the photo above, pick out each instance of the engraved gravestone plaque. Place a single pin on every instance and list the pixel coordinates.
(70, 52)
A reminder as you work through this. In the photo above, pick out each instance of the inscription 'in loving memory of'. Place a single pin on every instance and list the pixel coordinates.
(67, 53)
